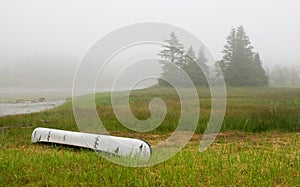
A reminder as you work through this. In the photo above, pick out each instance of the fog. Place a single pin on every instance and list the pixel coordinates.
(57, 34)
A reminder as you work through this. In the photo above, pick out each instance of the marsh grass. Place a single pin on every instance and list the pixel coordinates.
(258, 146)
(266, 159)
(248, 109)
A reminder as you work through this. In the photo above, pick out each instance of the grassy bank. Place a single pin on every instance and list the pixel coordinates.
(259, 145)
(248, 109)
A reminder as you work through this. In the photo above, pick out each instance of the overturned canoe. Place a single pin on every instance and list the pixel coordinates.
(104, 143)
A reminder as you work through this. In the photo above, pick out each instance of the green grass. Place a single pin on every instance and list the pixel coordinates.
(259, 145)
(266, 159)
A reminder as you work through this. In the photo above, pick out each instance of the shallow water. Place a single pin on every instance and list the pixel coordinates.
(28, 106)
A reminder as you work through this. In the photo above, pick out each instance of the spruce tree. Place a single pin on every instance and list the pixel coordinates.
(189, 65)
(196, 67)
(260, 77)
(240, 65)
(294, 76)
(204, 72)
(278, 76)
(171, 57)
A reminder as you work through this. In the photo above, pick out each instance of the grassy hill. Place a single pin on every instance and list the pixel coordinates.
(258, 146)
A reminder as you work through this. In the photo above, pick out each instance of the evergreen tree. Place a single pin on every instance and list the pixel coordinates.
(189, 64)
(261, 77)
(203, 71)
(170, 56)
(240, 65)
(294, 76)
(174, 57)
(278, 76)
(196, 67)
(228, 52)
(217, 75)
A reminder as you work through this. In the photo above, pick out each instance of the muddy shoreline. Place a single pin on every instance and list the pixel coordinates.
(24, 106)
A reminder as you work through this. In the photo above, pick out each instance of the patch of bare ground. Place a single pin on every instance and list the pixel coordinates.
(274, 138)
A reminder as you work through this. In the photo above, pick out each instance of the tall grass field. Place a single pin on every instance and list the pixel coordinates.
(259, 144)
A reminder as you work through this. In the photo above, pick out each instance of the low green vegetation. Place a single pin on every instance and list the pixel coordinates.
(258, 146)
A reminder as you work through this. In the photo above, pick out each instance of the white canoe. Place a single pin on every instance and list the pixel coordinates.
(103, 143)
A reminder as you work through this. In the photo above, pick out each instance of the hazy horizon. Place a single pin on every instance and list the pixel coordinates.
(65, 30)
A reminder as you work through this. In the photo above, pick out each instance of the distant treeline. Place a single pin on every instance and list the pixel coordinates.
(39, 72)
(240, 65)
(283, 76)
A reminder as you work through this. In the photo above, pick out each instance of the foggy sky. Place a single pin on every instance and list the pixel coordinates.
(71, 27)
